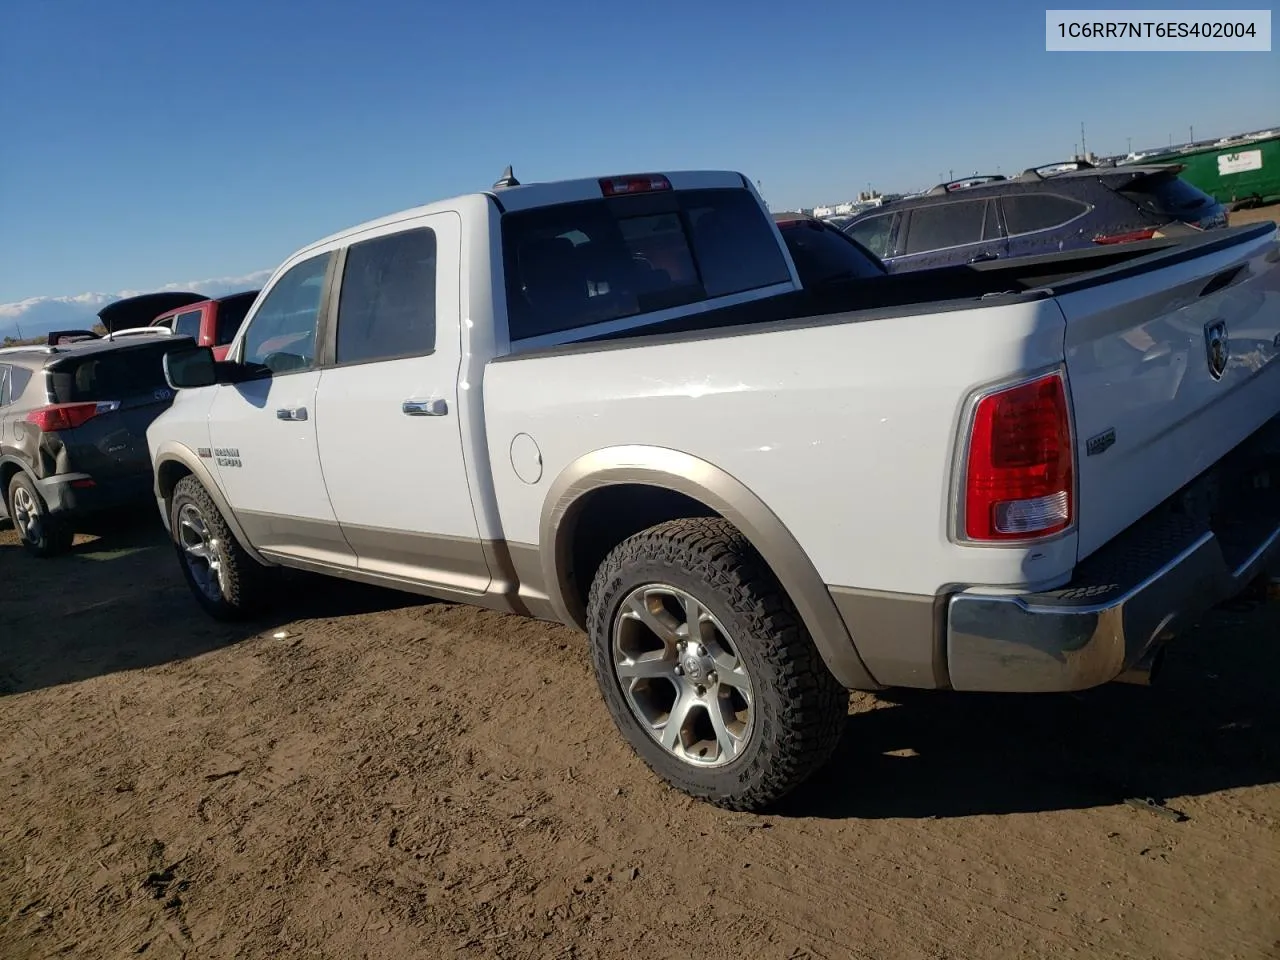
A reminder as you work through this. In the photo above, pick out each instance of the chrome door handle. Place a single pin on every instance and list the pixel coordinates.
(434, 407)
(291, 413)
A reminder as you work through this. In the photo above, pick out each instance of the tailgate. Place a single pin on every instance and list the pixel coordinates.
(1172, 362)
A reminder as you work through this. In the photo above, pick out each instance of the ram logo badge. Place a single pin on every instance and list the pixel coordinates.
(1101, 443)
(1217, 347)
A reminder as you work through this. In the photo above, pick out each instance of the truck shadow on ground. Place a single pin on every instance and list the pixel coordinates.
(118, 601)
(1210, 723)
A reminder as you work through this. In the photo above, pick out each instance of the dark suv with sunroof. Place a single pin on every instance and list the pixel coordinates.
(73, 431)
(1044, 210)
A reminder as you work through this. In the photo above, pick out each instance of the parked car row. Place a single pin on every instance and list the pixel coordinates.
(75, 411)
(1043, 210)
(756, 468)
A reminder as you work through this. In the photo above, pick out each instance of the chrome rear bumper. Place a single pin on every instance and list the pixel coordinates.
(1150, 583)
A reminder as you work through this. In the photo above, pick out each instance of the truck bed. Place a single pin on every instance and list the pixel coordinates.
(946, 288)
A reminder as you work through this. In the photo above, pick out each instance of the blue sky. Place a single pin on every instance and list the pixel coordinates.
(159, 142)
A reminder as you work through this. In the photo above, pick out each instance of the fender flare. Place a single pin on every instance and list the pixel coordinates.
(171, 451)
(730, 498)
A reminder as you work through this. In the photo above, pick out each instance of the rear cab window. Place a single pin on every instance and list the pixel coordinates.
(575, 265)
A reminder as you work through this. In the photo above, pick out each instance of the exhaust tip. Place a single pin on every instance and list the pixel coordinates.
(1146, 670)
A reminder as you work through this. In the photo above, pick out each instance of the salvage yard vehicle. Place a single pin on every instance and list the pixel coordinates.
(612, 403)
(1044, 210)
(73, 421)
(209, 321)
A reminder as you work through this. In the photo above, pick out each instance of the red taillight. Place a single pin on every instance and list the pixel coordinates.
(67, 416)
(1018, 477)
(1130, 237)
(642, 183)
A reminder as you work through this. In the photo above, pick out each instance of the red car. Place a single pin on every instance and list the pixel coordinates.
(211, 322)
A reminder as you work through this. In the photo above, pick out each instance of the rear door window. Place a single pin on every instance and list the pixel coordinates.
(943, 225)
(574, 265)
(387, 307)
(1043, 211)
(5, 398)
(188, 324)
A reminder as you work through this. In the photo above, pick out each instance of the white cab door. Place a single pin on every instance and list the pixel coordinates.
(387, 409)
(263, 430)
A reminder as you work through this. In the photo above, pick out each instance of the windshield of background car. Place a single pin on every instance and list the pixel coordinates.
(577, 264)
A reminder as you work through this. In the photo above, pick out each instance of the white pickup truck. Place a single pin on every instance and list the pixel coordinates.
(611, 403)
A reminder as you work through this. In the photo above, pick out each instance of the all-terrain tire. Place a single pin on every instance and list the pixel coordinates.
(245, 588)
(799, 709)
(48, 535)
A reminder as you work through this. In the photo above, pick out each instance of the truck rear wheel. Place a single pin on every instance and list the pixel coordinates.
(226, 581)
(706, 667)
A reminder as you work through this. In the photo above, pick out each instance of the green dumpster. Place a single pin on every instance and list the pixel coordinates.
(1244, 172)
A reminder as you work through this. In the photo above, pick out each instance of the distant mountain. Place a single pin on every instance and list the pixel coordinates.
(36, 316)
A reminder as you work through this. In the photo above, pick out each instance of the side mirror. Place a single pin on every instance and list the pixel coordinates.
(190, 367)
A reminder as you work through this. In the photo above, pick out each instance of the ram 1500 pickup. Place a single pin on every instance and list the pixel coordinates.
(611, 403)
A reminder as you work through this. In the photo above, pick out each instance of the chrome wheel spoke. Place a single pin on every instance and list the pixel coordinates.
(725, 740)
(693, 615)
(674, 726)
(681, 676)
(659, 621)
(647, 667)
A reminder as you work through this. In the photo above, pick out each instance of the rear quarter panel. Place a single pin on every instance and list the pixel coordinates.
(844, 430)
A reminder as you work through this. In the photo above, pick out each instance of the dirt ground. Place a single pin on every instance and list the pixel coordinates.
(1270, 212)
(367, 775)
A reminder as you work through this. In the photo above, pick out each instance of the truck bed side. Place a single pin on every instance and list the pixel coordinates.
(845, 430)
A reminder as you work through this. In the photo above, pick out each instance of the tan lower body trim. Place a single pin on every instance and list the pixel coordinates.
(899, 636)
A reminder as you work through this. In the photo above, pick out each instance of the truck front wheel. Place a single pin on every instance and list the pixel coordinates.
(706, 667)
(226, 581)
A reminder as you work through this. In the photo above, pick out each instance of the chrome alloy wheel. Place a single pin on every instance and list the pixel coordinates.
(681, 675)
(26, 515)
(202, 552)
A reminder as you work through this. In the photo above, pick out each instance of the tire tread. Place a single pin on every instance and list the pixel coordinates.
(805, 709)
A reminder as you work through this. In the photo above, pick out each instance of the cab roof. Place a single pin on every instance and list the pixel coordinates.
(527, 196)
